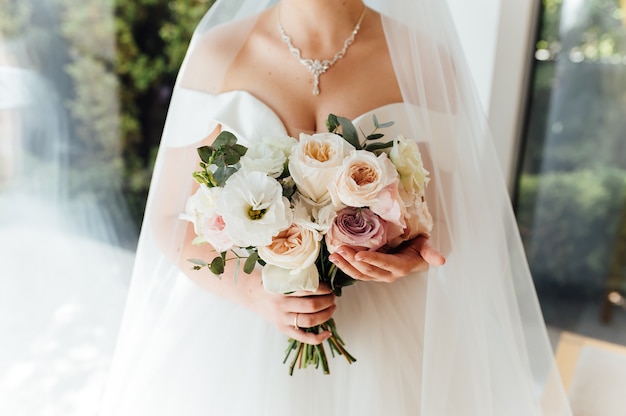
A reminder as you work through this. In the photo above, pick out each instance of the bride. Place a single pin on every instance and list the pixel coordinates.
(446, 325)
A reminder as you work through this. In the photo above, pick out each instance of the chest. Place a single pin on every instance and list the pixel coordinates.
(347, 88)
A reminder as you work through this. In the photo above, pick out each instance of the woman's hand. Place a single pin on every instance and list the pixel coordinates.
(291, 313)
(378, 266)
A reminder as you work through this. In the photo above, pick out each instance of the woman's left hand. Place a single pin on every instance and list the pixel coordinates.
(414, 255)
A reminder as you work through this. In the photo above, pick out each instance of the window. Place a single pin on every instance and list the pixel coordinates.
(570, 195)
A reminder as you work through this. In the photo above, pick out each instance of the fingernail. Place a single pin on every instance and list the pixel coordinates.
(341, 252)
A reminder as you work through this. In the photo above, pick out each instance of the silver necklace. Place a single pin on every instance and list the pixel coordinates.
(316, 66)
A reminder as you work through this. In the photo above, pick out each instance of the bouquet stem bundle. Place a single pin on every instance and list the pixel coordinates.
(315, 355)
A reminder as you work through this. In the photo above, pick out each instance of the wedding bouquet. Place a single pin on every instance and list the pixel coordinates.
(289, 204)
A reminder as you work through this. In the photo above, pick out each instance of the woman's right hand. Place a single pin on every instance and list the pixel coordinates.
(304, 309)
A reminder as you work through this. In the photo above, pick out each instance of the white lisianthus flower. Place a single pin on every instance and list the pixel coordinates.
(314, 161)
(269, 155)
(320, 214)
(406, 156)
(208, 225)
(253, 208)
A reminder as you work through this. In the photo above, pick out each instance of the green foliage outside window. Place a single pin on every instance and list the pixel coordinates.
(571, 196)
(115, 62)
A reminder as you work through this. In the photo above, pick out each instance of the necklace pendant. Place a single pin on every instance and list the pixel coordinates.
(318, 67)
(316, 84)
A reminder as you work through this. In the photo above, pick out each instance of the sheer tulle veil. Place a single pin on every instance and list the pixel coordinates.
(485, 346)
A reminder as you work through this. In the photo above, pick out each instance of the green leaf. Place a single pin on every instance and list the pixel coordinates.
(332, 123)
(206, 153)
(378, 146)
(231, 155)
(240, 149)
(222, 174)
(248, 266)
(225, 138)
(375, 136)
(349, 132)
(385, 125)
(198, 262)
(237, 264)
(217, 265)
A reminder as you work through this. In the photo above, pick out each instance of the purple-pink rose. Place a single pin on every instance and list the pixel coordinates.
(359, 228)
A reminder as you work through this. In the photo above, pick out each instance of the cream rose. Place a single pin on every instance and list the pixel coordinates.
(314, 161)
(367, 180)
(406, 157)
(292, 254)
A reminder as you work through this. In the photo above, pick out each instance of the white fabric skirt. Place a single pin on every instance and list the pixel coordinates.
(228, 361)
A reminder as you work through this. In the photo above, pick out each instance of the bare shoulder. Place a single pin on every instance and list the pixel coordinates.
(211, 54)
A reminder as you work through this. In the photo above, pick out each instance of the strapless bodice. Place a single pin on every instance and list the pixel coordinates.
(250, 119)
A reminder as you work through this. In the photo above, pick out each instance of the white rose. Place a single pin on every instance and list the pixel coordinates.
(314, 161)
(253, 208)
(269, 155)
(208, 225)
(406, 156)
(279, 280)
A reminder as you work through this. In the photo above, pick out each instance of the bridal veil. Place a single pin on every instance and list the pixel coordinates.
(485, 346)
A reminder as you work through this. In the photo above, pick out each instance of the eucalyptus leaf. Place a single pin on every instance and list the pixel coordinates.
(385, 125)
(241, 149)
(222, 174)
(206, 153)
(217, 265)
(248, 266)
(225, 138)
(332, 123)
(237, 264)
(198, 262)
(375, 136)
(348, 132)
(378, 146)
(232, 154)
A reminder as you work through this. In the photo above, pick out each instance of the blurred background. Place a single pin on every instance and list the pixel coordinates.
(84, 89)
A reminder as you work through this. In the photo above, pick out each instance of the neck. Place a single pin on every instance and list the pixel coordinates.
(319, 26)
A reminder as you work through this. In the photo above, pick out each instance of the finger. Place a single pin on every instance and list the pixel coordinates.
(309, 320)
(428, 252)
(323, 289)
(307, 337)
(308, 304)
(344, 258)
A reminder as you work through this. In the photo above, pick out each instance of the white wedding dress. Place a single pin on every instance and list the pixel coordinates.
(226, 360)
(463, 339)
